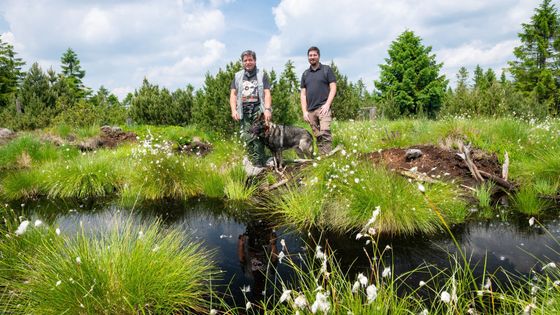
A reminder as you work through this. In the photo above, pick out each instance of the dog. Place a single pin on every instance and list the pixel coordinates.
(280, 137)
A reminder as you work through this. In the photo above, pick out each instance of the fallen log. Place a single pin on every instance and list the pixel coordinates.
(466, 155)
(499, 181)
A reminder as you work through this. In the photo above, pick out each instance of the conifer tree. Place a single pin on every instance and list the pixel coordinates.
(536, 70)
(410, 79)
(73, 72)
(10, 73)
(285, 95)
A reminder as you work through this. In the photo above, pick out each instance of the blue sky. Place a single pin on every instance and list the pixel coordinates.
(176, 42)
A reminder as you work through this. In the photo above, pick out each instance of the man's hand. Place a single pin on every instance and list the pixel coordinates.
(306, 116)
(324, 110)
(235, 115)
(267, 115)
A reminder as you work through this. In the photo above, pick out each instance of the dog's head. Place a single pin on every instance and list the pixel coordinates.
(262, 129)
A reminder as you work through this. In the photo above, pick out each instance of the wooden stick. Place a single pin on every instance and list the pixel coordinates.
(505, 166)
(499, 181)
(417, 176)
(470, 164)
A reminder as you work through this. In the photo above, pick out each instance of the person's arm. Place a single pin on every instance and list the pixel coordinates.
(303, 100)
(332, 92)
(273, 248)
(233, 104)
(267, 105)
(240, 248)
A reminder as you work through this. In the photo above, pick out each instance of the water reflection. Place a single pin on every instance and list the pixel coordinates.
(245, 243)
(258, 254)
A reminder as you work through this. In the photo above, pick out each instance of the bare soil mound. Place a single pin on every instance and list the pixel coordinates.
(438, 163)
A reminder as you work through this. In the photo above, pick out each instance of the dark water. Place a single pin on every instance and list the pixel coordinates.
(494, 245)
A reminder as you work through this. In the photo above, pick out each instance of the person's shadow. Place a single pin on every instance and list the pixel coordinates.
(258, 255)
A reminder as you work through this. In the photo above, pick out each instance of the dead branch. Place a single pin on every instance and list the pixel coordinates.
(417, 176)
(278, 184)
(499, 181)
(466, 155)
(505, 166)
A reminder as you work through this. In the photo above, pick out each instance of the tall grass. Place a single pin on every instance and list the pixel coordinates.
(341, 193)
(26, 152)
(25, 184)
(126, 269)
(238, 186)
(86, 176)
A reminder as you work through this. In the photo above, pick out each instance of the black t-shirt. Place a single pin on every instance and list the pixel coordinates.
(249, 87)
(316, 84)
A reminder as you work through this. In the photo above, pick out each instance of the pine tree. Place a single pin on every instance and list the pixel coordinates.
(536, 70)
(410, 79)
(10, 73)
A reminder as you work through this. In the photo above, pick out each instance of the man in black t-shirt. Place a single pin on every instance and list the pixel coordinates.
(318, 88)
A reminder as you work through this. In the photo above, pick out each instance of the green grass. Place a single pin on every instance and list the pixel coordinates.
(26, 152)
(238, 187)
(527, 201)
(341, 193)
(127, 268)
(86, 176)
(24, 184)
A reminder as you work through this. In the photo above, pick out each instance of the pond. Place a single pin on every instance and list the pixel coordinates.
(242, 241)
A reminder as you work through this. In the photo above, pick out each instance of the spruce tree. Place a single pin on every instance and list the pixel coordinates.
(10, 73)
(72, 71)
(410, 80)
(285, 95)
(536, 70)
(211, 107)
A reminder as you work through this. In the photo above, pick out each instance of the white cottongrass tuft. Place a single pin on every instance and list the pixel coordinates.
(359, 235)
(549, 265)
(362, 279)
(355, 286)
(213, 312)
(248, 305)
(281, 256)
(58, 283)
(424, 312)
(283, 243)
(320, 304)
(38, 223)
(421, 188)
(300, 302)
(286, 295)
(246, 289)
(373, 216)
(421, 283)
(22, 227)
(527, 310)
(78, 260)
(531, 221)
(386, 272)
(57, 231)
(445, 297)
(371, 292)
(488, 284)
(356, 180)
(319, 253)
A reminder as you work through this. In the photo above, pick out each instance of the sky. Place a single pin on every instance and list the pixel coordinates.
(174, 43)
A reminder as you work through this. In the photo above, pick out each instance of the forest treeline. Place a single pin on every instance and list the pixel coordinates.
(410, 84)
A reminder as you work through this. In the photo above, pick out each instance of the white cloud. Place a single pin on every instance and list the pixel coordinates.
(211, 51)
(176, 42)
(357, 34)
